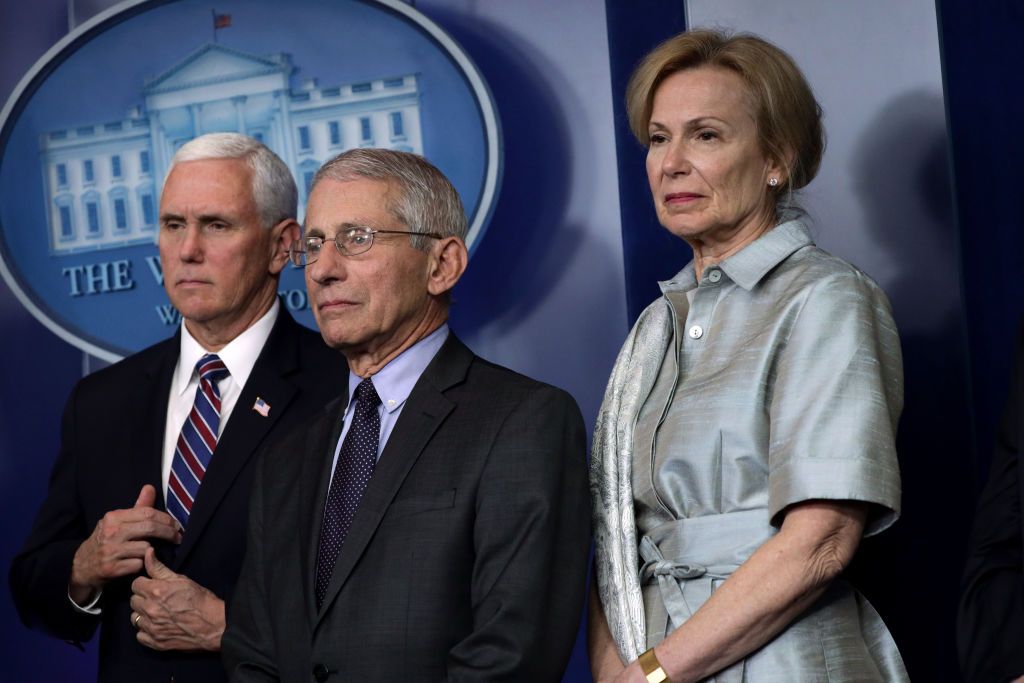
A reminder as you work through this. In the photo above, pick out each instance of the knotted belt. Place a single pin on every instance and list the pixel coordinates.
(687, 556)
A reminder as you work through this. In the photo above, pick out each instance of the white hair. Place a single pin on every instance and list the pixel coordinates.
(273, 187)
(426, 201)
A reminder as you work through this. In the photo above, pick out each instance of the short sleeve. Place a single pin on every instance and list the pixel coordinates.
(836, 400)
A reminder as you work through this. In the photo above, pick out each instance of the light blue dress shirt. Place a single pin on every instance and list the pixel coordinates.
(393, 383)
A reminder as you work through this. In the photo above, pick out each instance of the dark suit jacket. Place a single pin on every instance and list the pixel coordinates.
(111, 443)
(990, 624)
(466, 561)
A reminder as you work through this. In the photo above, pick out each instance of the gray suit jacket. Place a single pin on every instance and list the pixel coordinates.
(467, 559)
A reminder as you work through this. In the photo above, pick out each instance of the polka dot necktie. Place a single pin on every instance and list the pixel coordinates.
(197, 440)
(352, 472)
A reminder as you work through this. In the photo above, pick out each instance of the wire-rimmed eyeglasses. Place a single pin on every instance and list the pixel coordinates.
(350, 241)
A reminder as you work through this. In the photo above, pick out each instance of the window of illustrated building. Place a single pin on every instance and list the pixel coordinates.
(365, 132)
(120, 214)
(334, 130)
(119, 208)
(304, 142)
(397, 125)
(64, 215)
(394, 82)
(144, 161)
(307, 180)
(92, 216)
(66, 230)
(88, 173)
(258, 135)
(115, 166)
(62, 175)
(148, 208)
(362, 87)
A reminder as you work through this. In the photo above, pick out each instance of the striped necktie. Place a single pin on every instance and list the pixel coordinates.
(197, 440)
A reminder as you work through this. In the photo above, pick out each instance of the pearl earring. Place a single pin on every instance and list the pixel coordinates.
(773, 181)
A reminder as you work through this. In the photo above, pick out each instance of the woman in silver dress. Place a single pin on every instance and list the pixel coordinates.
(746, 439)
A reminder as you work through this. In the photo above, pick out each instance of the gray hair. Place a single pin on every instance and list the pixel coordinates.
(426, 202)
(273, 187)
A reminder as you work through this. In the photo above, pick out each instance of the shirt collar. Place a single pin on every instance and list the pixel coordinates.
(394, 382)
(239, 355)
(749, 265)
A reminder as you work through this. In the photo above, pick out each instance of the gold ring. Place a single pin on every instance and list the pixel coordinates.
(135, 621)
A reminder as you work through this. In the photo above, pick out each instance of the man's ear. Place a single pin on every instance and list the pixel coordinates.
(282, 236)
(447, 261)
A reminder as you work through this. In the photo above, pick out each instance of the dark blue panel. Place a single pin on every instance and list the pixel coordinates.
(982, 55)
(650, 252)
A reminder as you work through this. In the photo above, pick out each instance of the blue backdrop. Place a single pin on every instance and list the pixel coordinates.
(562, 272)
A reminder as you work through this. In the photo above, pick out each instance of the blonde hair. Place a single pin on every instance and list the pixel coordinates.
(788, 117)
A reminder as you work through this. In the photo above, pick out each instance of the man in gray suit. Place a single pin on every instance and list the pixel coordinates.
(433, 523)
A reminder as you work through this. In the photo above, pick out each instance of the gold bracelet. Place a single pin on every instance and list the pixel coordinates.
(652, 668)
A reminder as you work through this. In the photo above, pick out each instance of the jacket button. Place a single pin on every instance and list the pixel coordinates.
(320, 673)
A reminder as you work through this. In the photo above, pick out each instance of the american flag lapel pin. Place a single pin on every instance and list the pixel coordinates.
(261, 407)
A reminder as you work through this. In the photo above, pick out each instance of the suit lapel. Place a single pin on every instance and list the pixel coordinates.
(425, 410)
(246, 428)
(147, 439)
(313, 486)
(146, 442)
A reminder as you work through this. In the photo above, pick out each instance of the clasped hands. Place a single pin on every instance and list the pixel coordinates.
(169, 610)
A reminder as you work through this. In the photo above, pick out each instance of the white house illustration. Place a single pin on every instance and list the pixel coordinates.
(102, 180)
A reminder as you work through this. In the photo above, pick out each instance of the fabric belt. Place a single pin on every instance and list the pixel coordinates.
(687, 556)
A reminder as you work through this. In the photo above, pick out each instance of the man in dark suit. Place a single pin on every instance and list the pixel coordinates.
(990, 624)
(142, 531)
(432, 524)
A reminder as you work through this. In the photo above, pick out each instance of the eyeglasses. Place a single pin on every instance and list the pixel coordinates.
(349, 242)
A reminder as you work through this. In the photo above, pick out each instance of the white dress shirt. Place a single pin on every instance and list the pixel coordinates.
(239, 356)
(394, 383)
